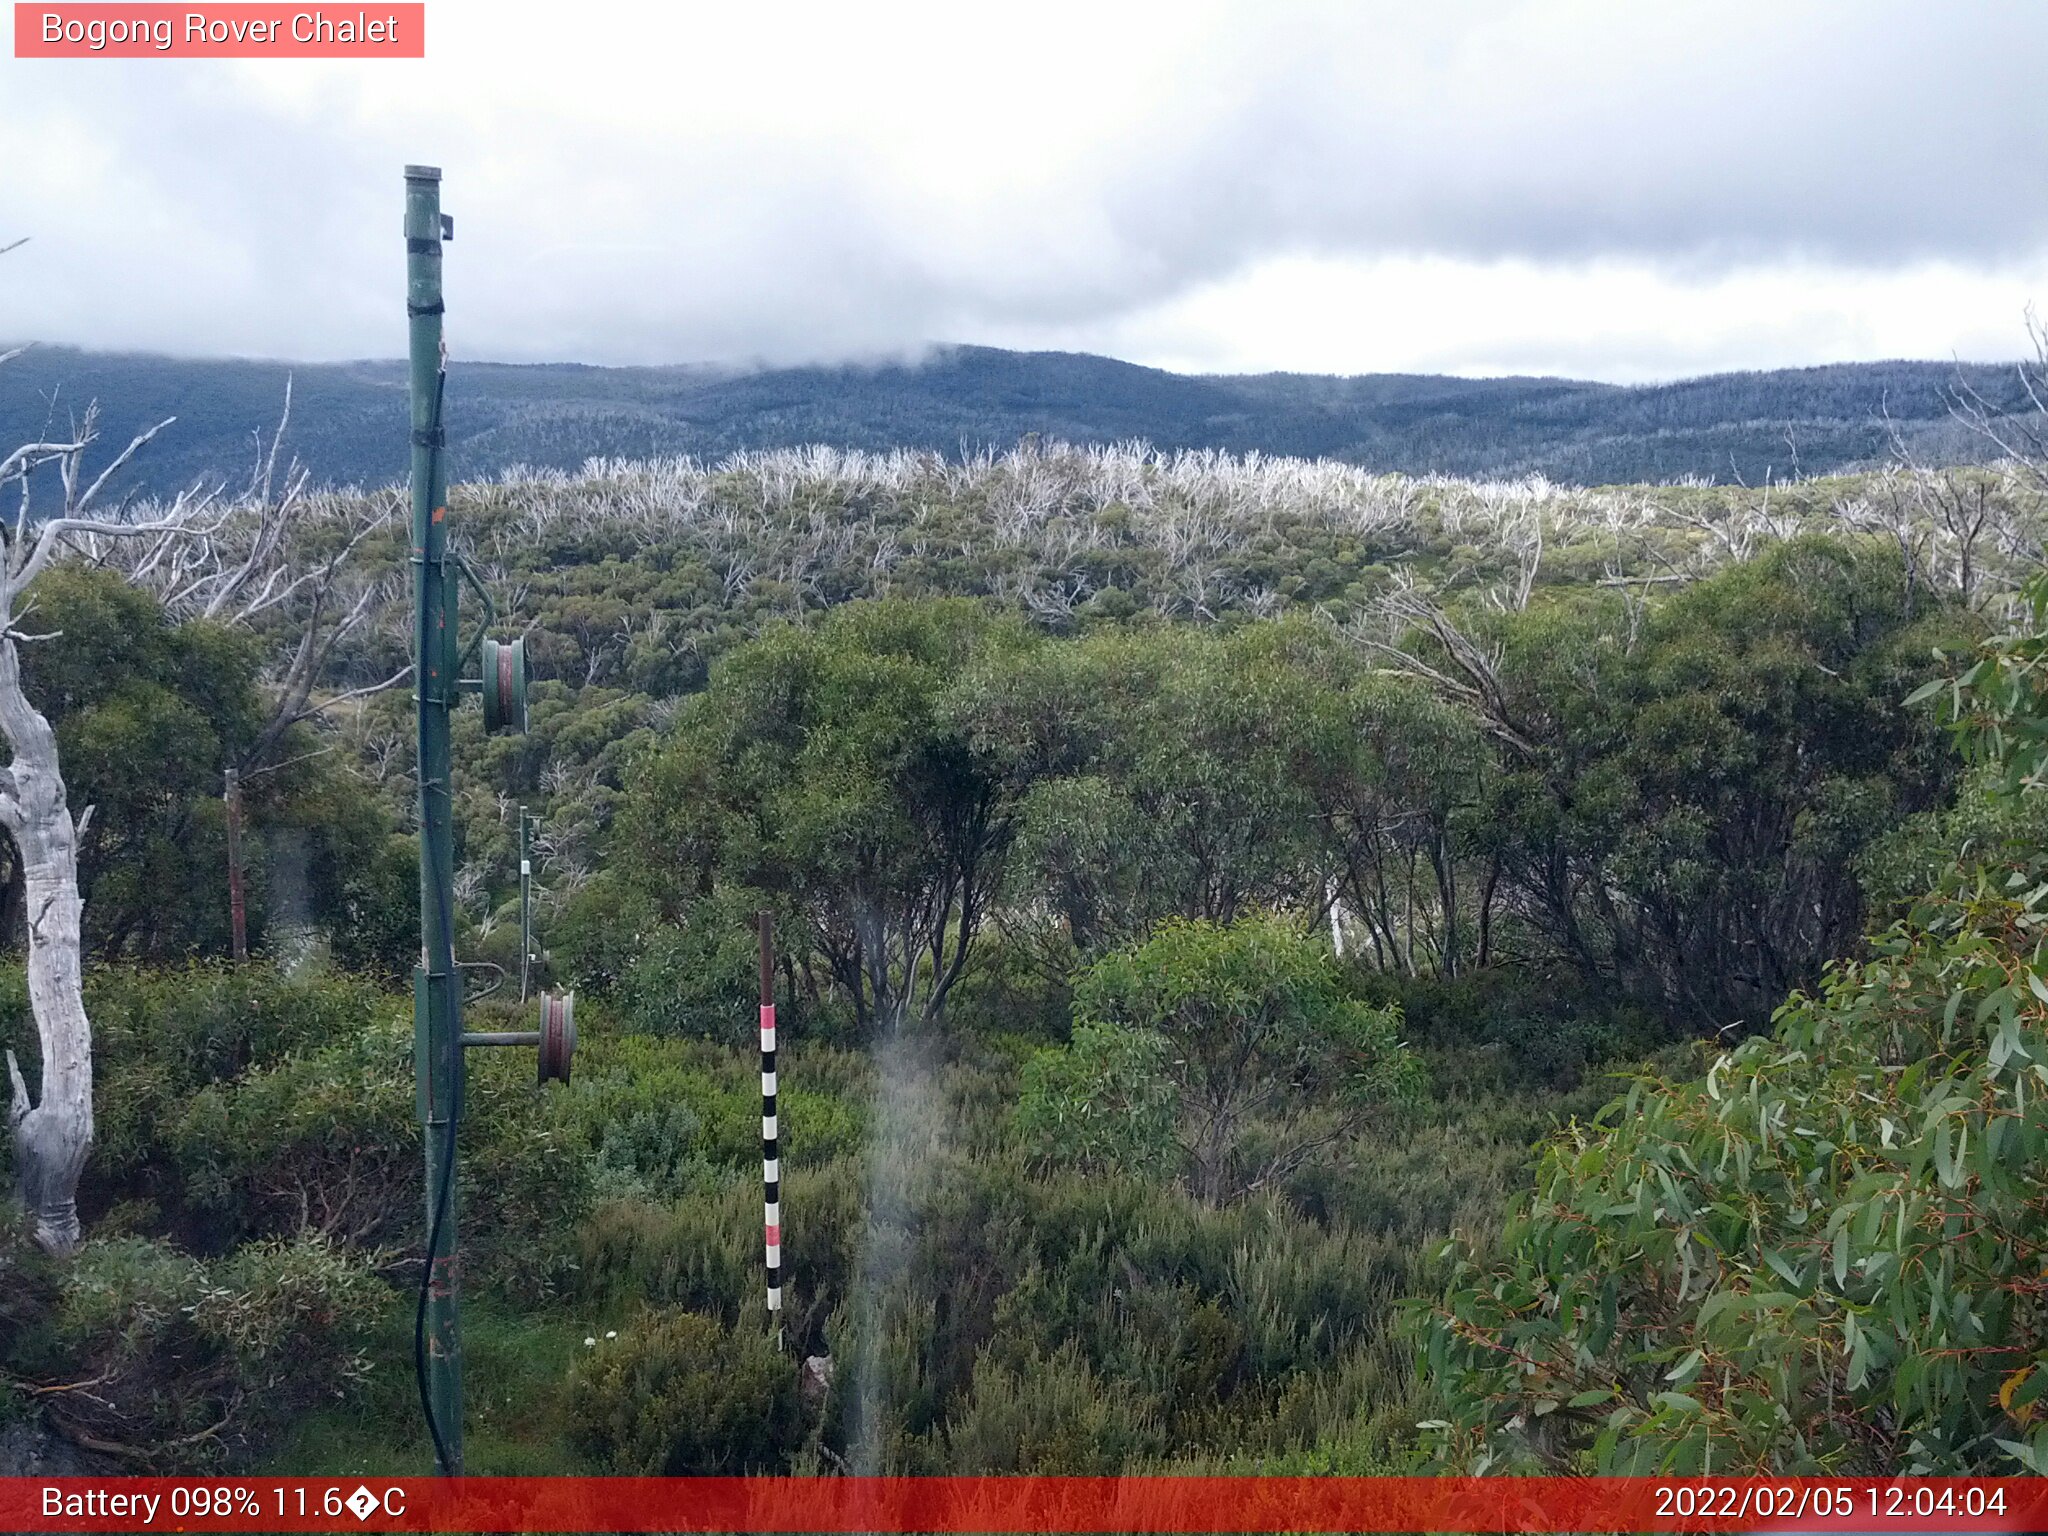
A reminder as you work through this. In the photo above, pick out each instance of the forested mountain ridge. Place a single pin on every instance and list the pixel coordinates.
(349, 425)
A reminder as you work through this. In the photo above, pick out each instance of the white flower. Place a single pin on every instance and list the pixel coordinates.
(611, 1333)
(590, 1343)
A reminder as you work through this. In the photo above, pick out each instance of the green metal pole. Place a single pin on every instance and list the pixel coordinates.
(437, 997)
(525, 905)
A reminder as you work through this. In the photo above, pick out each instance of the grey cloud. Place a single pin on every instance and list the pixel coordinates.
(1865, 135)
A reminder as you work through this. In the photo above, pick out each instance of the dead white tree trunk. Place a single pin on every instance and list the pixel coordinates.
(53, 1135)
(52, 1131)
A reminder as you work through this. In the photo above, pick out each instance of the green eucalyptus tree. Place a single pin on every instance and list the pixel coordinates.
(1683, 793)
(1225, 1053)
(1825, 1255)
(827, 768)
(1158, 775)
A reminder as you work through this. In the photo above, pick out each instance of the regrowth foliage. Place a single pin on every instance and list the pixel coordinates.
(1826, 1254)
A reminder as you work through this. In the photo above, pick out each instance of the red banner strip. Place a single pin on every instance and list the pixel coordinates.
(1004, 1504)
(377, 30)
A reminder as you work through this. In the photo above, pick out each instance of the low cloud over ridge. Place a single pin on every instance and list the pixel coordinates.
(635, 184)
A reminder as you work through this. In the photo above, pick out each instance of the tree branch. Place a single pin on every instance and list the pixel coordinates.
(135, 446)
(28, 455)
(58, 528)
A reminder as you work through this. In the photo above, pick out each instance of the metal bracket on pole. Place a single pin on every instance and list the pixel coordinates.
(476, 585)
(525, 903)
(555, 1039)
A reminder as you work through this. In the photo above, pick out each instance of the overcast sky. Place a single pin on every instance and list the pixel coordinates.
(1616, 191)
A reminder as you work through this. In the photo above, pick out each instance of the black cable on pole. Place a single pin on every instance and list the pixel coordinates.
(419, 1322)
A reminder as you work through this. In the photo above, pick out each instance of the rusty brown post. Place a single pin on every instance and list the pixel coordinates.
(237, 907)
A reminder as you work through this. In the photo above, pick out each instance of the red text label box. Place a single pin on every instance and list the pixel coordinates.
(237, 31)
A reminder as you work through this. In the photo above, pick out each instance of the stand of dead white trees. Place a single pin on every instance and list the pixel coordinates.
(252, 564)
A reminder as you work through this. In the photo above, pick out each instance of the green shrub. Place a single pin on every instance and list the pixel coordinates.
(678, 1394)
(191, 1363)
(263, 1295)
(1018, 988)
(326, 1141)
(375, 927)
(294, 1316)
(700, 980)
(1198, 1319)
(1104, 1103)
(212, 1022)
(160, 1036)
(1051, 1416)
(1234, 1045)
(1416, 1177)
(598, 933)
(29, 1281)
(329, 1142)
(1825, 1256)
(660, 1118)
(1501, 1030)
(705, 1253)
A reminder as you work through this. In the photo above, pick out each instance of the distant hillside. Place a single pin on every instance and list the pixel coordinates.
(348, 423)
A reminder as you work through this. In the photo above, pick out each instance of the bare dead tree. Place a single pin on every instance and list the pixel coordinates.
(1462, 668)
(1523, 538)
(275, 559)
(1054, 602)
(1948, 520)
(1635, 596)
(1965, 508)
(380, 749)
(1888, 506)
(2021, 436)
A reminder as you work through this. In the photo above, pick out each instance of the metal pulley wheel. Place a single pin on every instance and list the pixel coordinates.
(557, 1035)
(504, 685)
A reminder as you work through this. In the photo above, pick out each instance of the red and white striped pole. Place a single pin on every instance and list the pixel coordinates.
(771, 1161)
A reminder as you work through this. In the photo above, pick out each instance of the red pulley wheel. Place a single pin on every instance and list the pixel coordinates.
(557, 1036)
(504, 685)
